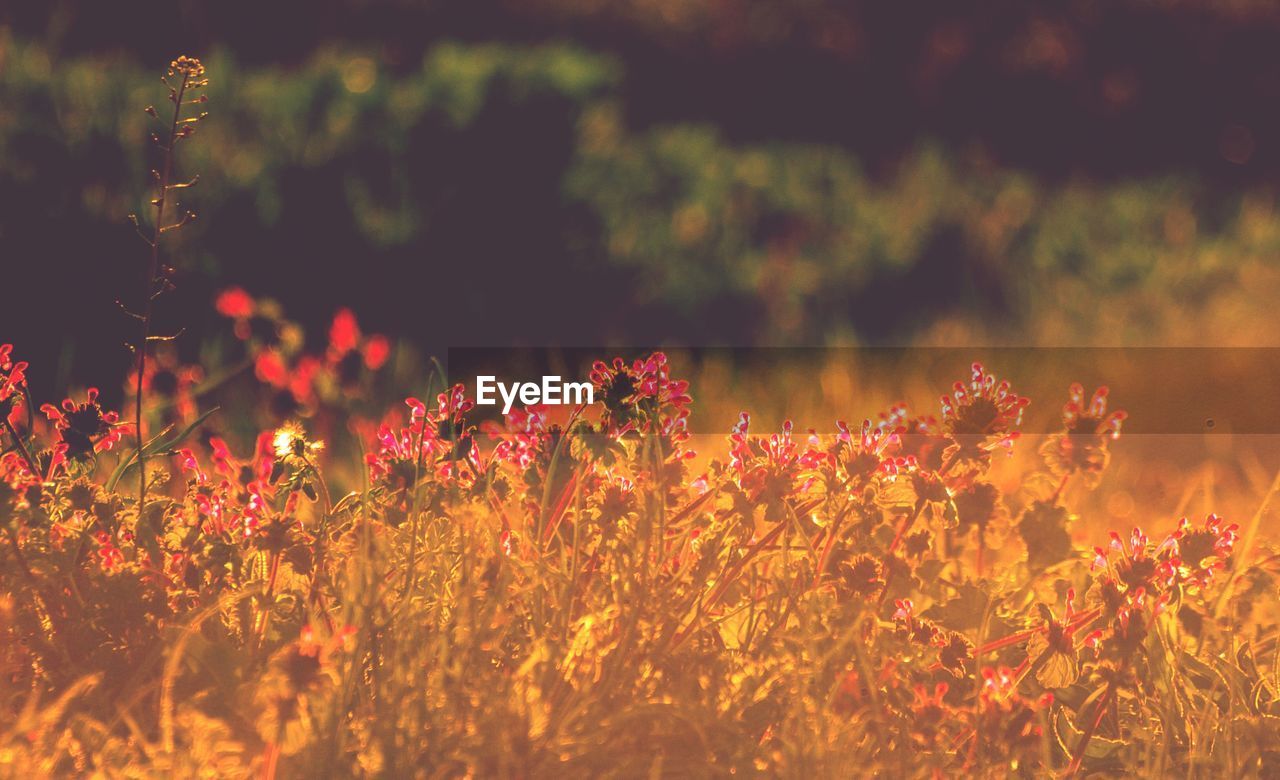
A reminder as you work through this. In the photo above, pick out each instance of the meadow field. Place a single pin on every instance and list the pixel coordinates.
(269, 549)
(408, 590)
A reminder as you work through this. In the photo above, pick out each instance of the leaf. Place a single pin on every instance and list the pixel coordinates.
(154, 447)
(900, 495)
(1069, 736)
(1058, 670)
(1172, 695)
(300, 559)
(735, 627)
(1246, 662)
(965, 612)
(950, 516)
(348, 501)
(1043, 528)
(1207, 679)
(148, 530)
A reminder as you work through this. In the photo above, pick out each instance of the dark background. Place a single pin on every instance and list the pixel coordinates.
(504, 244)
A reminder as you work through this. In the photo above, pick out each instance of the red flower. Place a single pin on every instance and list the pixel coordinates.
(235, 303)
(1204, 551)
(12, 383)
(344, 333)
(302, 380)
(376, 351)
(1082, 447)
(522, 436)
(84, 428)
(222, 459)
(769, 469)
(984, 407)
(436, 439)
(349, 349)
(108, 553)
(873, 451)
(270, 368)
(187, 460)
(1077, 418)
(1137, 580)
(641, 396)
(12, 374)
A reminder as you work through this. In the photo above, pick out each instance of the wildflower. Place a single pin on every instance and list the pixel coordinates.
(187, 460)
(863, 575)
(983, 407)
(913, 627)
(920, 438)
(981, 416)
(376, 351)
(301, 382)
(1136, 565)
(872, 452)
(349, 349)
(1009, 725)
(1083, 446)
(253, 519)
(521, 436)
(931, 715)
(616, 500)
(235, 304)
(769, 469)
(997, 683)
(221, 455)
(1203, 551)
(1135, 581)
(84, 428)
(290, 441)
(293, 454)
(109, 554)
(436, 441)
(12, 379)
(955, 651)
(190, 68)
(270, 368)
(344, 333)
(641, 395)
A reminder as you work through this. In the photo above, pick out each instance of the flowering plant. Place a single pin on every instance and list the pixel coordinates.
(441, 593)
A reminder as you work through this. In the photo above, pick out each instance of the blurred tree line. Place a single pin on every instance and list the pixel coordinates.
(731, 172)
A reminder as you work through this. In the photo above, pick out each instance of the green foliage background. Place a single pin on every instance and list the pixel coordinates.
(664, 231)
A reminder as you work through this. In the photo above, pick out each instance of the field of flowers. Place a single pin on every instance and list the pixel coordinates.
(309, 580)
(529, 598)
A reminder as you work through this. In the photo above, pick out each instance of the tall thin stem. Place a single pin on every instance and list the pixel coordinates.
(150, 291)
